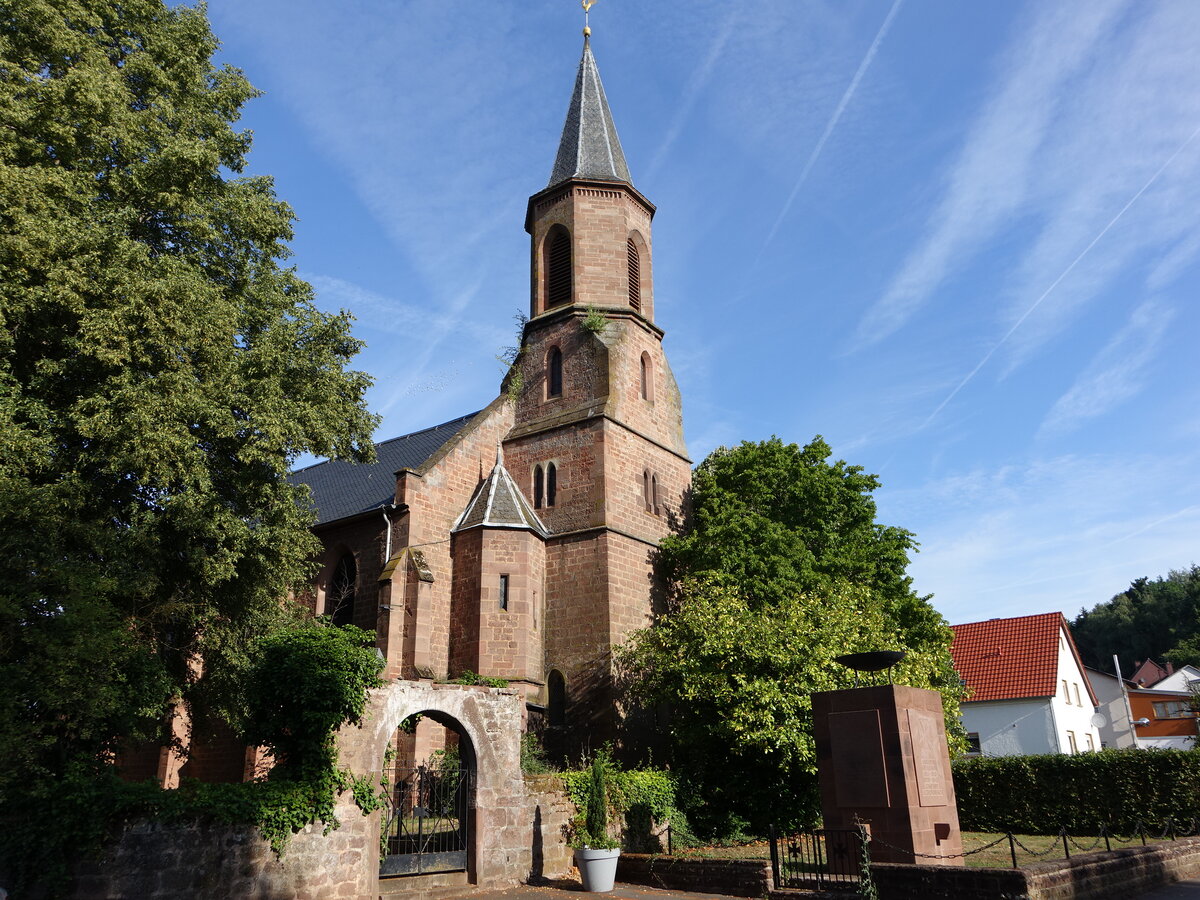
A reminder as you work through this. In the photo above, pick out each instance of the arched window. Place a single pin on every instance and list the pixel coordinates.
(647, 495)
(339, 597)
(647, 378)
(554, 373)
(539, 487)
(558, 266)
(654, 494)
(635, 275)
(556, 699)
(551, 483)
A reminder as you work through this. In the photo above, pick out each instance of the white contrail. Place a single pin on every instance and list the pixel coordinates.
(833, 121)
(691, 93)
(1067, 271)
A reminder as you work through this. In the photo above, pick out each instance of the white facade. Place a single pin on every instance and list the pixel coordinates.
(1031, 725)
(1181, 680)
(1117, 730)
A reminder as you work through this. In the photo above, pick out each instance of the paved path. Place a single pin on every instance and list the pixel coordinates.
(567, 890)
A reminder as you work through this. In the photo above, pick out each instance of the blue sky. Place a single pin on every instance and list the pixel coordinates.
(959, 240)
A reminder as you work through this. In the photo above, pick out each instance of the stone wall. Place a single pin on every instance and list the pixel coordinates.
(1093, 876)
(736, 877)
(518, 829)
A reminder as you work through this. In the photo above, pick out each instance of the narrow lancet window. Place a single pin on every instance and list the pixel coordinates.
(551, 483)
(647, 380)
(539, 487)
(554, 373)
(339, 598)
(504, 592)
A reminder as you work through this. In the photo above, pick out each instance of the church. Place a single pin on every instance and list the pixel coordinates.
(517, 542)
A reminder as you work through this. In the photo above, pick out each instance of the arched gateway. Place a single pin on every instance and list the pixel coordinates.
(494, 803)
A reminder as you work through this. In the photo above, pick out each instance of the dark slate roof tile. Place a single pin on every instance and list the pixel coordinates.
(342, 489)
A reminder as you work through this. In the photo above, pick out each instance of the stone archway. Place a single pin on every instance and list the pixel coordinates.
(489, 720)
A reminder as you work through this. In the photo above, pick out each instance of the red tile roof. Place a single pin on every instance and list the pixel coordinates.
(1008, 659)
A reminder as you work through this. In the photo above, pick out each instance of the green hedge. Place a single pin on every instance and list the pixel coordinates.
(643, 799)
(1041, 794)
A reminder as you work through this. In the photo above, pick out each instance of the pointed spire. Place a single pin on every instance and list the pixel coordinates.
(499, 503)
(589, 147)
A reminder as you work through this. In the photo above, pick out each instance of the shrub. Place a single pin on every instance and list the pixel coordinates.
(1041, 794)
(642, 799)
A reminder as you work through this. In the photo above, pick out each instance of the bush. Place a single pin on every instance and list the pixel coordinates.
(642, 799)
(1041, 794)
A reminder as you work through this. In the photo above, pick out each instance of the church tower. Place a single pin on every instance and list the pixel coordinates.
(597, 442)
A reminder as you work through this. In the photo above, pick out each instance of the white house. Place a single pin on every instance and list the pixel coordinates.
(1029, 691)
(1185, 678)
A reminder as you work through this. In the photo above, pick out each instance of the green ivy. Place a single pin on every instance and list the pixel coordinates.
(1041, 794)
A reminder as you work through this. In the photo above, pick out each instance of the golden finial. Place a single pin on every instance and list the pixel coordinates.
(587, 8)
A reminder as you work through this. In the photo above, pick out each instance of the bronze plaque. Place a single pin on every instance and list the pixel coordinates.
(929, 757)
(859, 776)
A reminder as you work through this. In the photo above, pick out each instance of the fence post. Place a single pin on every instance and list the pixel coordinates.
(1012, 848)
(670, 843)
(1107, 844)
(1142, 831)
(774, 855)
(1066, 847)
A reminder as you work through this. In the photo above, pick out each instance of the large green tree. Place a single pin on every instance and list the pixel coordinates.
(1151, 619)
(780, 568)
(160, 371)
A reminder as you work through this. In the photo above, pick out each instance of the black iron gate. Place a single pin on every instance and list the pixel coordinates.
(427, 821)
(820, 858)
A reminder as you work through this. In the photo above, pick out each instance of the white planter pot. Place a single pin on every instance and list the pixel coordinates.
(598, 868)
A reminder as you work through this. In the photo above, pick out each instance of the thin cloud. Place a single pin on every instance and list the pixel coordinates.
(990, 182)
(1117, 373)
(696, 83)
(1057, 281)
(832, 124)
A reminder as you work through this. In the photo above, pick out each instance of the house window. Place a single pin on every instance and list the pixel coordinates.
(1173, 709)
(1078, 702)
(554, 373)
(974, 748)
(339, 598)
(558, 266)
(1071, 741)
(504, 592)
(635, 275)
(551, 483)
(1066, 692)
(539, 487)
(1091, 745)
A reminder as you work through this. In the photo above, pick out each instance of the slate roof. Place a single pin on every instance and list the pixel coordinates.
(499, 503)
(589, 147)
(1010, 659)
(342, 489)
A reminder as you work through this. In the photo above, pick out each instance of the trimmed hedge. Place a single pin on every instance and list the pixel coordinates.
(1041, 794)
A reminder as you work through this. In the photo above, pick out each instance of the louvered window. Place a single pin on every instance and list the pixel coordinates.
(558, 267)
(635, 275)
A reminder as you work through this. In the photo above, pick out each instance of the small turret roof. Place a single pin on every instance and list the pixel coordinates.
(589, 147)
(499, 503)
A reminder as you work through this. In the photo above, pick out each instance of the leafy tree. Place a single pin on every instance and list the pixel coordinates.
(160, 371)
(781, 568)
(1157, 619)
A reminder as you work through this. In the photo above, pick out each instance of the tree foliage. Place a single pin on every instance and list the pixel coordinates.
(1157, 619)
(781, 568)
(160, 371)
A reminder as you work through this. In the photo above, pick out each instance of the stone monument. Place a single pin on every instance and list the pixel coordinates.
(882, 757)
